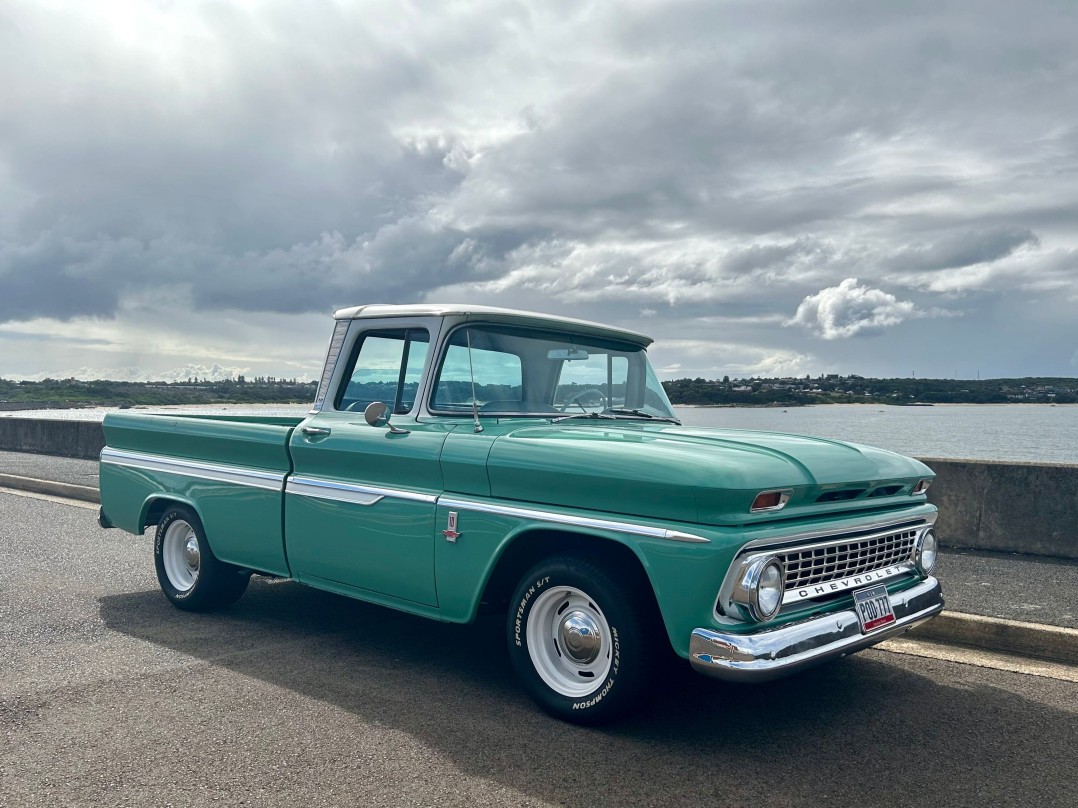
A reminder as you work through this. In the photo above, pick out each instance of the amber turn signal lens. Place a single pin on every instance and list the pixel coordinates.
(770, 500)
(921, 487)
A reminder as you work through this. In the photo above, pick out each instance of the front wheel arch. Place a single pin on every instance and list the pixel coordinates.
(527, 548)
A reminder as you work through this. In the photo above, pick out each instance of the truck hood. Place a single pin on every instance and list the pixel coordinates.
(694, 474)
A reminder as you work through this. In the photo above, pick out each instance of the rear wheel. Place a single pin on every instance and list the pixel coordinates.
(190, 574)
(580, 641)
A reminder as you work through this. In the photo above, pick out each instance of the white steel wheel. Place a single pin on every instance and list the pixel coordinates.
(569, 641)
(582, 632)
(181, 555)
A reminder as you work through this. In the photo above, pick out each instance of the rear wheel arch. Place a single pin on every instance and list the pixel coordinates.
(156, 505)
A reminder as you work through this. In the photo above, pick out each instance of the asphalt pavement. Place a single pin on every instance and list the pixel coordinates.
(70, 470)
(1006, 603)
(110, 696)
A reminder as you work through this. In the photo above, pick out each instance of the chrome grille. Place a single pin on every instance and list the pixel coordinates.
(842, 559)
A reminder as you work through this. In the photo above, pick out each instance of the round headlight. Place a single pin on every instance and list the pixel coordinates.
(760, 585)
(769, 590)
(927, 550)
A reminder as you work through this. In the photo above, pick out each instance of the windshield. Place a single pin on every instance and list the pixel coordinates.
(518, 371)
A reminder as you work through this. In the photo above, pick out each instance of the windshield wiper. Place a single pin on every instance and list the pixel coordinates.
(616, 411)
(584, 415)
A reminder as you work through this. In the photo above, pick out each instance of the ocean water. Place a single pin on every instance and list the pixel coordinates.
(1024, 432)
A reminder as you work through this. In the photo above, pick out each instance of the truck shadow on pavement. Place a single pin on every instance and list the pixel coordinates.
(872, 729)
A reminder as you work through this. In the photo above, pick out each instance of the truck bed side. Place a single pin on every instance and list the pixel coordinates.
(231, 470)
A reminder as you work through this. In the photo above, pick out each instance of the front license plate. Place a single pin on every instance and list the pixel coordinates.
(873, 608)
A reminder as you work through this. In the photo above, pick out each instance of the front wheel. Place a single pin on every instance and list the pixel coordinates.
(190, 575)
(579, 640)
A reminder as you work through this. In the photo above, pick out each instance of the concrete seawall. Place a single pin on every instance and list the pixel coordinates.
(52, 437)
(984, 505)
(1007, 506)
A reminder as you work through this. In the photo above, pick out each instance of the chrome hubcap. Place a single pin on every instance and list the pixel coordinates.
(580, 637)
(570, 642)
(190, 553)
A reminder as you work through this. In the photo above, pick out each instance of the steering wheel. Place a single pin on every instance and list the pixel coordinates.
(575, 398)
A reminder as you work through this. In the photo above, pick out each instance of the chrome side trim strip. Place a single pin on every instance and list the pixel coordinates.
(350, 492)
(237, 475)
(574, 521)
(306, 488)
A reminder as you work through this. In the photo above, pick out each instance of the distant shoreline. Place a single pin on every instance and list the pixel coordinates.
(9, 411)
(877, 404)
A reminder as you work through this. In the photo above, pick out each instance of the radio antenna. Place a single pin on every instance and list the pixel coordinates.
(471, 373)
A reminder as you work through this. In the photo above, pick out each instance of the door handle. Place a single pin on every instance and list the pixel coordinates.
(312, 431)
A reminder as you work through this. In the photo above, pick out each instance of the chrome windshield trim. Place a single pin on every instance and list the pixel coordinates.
(350, 492)
(237, 475)
(574, 521)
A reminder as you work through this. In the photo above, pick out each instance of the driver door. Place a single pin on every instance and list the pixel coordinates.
(360, 506)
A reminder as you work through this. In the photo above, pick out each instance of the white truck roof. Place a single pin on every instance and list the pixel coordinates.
(490, 314)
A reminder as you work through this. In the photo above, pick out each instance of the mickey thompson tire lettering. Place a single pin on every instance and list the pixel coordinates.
(581, 639)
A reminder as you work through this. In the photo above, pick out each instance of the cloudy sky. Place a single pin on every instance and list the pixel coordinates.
(767, 188)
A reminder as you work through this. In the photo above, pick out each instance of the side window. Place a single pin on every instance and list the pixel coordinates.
(498, 375)
(385, 366)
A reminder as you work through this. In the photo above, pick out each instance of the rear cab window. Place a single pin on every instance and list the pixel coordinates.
(386, 366)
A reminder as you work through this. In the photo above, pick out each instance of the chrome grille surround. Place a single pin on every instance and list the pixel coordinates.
(829, 566)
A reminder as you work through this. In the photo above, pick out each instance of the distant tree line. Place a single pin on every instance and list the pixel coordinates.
(76, 392)
(834, 389)
(785, 392)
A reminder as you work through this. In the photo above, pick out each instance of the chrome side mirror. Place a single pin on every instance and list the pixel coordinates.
(377, 414)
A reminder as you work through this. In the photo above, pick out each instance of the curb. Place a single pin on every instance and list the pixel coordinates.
(80, 492)
(1000, 635)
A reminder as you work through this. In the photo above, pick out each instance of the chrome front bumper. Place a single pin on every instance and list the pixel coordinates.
(781, 651)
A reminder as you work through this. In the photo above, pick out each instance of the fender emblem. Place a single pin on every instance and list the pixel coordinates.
(450, 531)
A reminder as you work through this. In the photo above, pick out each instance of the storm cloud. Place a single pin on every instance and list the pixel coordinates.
(184, 183)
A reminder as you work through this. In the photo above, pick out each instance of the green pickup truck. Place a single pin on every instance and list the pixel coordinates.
(459, 460)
